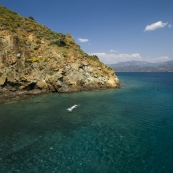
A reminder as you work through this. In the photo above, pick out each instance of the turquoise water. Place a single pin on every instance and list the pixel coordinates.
(129, 130)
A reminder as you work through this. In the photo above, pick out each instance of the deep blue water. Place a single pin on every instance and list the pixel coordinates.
(127, 130)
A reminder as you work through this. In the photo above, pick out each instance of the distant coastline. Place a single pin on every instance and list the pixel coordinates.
(142, 66)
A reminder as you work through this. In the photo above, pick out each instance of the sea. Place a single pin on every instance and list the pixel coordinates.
(126, 130)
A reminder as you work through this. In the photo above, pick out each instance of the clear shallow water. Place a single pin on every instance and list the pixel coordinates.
(124, 130)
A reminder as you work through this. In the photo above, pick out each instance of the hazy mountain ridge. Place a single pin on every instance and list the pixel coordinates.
(142, 66)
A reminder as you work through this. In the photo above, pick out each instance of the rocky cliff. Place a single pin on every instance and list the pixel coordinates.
(34, 59)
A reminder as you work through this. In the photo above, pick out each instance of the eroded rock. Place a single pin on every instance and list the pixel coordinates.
(2, 80)
(30, 65)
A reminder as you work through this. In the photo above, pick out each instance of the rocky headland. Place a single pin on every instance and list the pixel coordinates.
(35, 60)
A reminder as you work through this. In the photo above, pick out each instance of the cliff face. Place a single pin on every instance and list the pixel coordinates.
(33, 59)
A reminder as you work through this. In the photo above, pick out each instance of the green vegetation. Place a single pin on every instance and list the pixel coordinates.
(106, 72)
(38, 42)
(59, 42)
(15, 23)
(12, 21)
(93, 57)
(30, 17)
(34, 59)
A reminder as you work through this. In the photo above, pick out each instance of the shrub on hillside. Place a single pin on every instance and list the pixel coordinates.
(30, 17)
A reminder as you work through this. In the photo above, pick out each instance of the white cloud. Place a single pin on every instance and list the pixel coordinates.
(112, 50)
(154, 26)
(83, 40)
(158, 59)
(169, 26)
(115, 58)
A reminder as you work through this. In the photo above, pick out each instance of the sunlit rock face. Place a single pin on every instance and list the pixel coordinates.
(36, 60)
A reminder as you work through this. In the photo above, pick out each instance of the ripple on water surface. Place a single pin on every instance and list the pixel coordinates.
(125, 130)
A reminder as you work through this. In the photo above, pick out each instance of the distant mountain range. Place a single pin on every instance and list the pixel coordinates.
(142, 66)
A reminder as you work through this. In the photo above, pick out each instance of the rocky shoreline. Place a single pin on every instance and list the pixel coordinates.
(18, 95)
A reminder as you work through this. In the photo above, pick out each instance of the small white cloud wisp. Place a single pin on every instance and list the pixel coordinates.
(169, 26)
(155, 26)
(112, 50)
(83, 40)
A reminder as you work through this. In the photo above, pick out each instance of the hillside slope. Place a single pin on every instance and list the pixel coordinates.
(34, 59)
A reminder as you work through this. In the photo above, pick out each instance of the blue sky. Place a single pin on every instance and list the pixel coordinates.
(115, 30)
